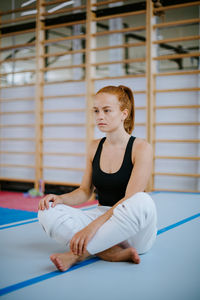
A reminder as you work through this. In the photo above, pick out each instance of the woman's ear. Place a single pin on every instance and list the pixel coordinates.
(124, 114)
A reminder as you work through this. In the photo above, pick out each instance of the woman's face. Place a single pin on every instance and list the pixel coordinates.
(107, 113)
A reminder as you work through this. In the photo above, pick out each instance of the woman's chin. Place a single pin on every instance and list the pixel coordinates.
(102, 128)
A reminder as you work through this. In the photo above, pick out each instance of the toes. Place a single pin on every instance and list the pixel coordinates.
(57, 262)
(136, 260)
(52, 258)
(135, 257)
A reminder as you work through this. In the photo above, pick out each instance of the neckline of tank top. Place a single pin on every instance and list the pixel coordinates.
(114, 173)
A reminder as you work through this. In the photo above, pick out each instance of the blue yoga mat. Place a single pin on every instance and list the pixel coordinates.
(8, 215)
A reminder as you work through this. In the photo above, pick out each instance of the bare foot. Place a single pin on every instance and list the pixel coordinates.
(116, 254)
(63, 261)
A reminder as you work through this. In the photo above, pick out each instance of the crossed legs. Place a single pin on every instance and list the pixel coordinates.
(134, 221)
(63, 261)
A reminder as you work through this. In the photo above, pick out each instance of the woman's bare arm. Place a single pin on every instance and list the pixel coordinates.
(143, 159)
(84, 192)
(81, 194)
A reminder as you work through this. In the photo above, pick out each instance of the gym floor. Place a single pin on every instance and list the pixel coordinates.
(171, 270)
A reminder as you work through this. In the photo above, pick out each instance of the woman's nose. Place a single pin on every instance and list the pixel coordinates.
(100, 116)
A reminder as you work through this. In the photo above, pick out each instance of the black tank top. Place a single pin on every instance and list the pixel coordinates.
(111, 187)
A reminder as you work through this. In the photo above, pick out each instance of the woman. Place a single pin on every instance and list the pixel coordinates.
(118, 166)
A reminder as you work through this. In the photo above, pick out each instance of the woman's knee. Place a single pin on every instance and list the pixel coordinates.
(48, 218)
(49, 214)
(141, 204)
(140, 198)
(60, 221)
(43, 216)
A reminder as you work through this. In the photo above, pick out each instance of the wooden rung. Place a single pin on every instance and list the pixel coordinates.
(140, 107)
(139, 92)
(21, 9)
(64, 96)
(63, 154)
(18, 72)
(177, 106)
(179, 191)
(5, 35)
(15, 20)
(16, 99)
(64, 110)
(180, 39)
(16, 166)
(17, 152)
(176, 141)
(57, 40)
(64, 168)
(17, 139)
(177, 124)
(122, 15)
(16, 179)
(177, 174)
(178, 73)
(17, 112)
(119, 46)
(173, 56)
(62, 183)
(16, 59)
(64, 10)
(177, 157)
(177, 23)
(17, 46)
(164, 8)
(64, 53)
(64, 140)
(140, 124)
(16, 125)
(124, 61)
(63, 67)
(120, 77)
(64, 124)
(64, 25)
(130, 29)
(106, 2)
(177, 90)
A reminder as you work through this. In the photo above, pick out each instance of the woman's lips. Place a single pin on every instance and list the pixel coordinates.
(101, 124)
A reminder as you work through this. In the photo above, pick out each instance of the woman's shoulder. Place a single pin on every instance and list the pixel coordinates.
(141, 147)
(141, 143)
(93, 147)
(94, 143)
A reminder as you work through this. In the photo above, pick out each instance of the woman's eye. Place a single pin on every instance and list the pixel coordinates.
(107, 110)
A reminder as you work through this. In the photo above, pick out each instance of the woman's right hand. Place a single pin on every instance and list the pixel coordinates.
(44, 202)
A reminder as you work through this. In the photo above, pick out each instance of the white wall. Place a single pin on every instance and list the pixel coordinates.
(17, 132)
(64, 131)
(178, 132)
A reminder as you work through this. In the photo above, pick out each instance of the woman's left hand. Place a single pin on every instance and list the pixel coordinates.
(78, 243)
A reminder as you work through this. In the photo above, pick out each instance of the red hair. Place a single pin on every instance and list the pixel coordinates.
(126, 100)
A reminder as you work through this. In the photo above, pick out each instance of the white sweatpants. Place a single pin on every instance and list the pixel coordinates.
(133, 223)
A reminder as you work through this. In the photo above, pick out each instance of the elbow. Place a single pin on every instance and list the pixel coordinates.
(87, 192)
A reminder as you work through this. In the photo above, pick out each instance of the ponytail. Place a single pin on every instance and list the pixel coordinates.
(129, 121)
